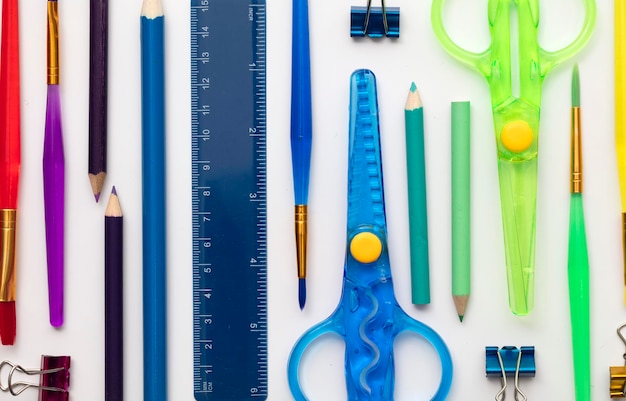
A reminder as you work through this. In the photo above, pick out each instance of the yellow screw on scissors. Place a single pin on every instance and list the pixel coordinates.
(516, 122)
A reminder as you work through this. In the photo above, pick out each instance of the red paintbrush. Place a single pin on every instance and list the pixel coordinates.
(9, 164)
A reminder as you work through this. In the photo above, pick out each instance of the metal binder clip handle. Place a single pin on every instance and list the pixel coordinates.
(510, 361)
(375, 21)
(618, 373)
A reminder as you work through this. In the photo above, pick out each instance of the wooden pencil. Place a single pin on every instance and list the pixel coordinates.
(98, 59)
(154, 216)
(619, 34)
(461, 229)
(416, 185)
(113, 300)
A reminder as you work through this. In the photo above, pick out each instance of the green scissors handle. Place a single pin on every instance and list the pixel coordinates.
(516, 123)
(538, 60)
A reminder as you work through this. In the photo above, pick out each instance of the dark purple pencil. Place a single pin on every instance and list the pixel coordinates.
(98, 59)
(54, 175)
(113, 300)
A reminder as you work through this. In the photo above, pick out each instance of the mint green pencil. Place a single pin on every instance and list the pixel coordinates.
(416, 182)
(578, 261)
(461, 206)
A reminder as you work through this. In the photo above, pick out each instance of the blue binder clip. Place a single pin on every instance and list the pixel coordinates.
(375, 22)
(510, 361)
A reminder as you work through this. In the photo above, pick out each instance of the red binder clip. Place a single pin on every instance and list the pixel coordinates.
(54, 378)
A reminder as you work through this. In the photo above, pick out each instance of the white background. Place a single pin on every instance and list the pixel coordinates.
(416, 56)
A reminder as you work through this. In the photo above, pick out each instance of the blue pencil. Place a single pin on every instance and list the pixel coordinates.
(153, 192)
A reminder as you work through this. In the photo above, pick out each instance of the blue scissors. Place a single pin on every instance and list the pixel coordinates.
(368, 316)
(516, 123)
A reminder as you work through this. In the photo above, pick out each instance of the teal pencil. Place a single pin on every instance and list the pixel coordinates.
(416, 182)
(460, 206)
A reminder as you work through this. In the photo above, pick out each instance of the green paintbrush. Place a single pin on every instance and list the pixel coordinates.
(578, 261)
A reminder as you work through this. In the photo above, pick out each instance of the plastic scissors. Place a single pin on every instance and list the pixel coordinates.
(368, 316)
(516, 122)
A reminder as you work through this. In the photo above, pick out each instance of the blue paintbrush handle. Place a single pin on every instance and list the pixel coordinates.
(301, 125)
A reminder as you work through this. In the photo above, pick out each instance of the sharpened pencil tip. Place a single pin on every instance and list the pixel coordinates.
(461, 318)
(413, 100)
(460, 303)
(113, 191)
(302, 292)
(97, 182)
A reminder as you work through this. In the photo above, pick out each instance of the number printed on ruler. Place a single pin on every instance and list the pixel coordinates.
(229, 199)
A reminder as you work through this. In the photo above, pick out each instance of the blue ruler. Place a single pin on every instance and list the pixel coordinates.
(229, 199)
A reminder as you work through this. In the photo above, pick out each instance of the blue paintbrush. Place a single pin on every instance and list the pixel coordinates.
(301, 132)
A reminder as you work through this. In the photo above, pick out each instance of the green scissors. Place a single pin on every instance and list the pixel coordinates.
(516, 122)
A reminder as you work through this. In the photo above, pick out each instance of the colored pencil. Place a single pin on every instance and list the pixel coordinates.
(98, 59)
(301, 134)
(113, 300)
(461, 250)
(619, 14)
(154, 216)
(9, 164)
(54, 175)
(416, 184)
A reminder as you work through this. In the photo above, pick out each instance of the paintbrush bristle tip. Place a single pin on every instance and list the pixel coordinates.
(575, 87)
(302, 292)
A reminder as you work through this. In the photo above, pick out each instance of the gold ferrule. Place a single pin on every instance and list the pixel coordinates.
(7, 254)
(301, 238)
(53, 43)
(576, 168)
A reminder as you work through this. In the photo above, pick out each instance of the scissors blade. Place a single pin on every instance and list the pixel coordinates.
(366, 203)
(518, 195)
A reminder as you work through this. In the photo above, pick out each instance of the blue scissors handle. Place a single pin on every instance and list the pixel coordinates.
(529, 10)
(358, 385)
(368, 317)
